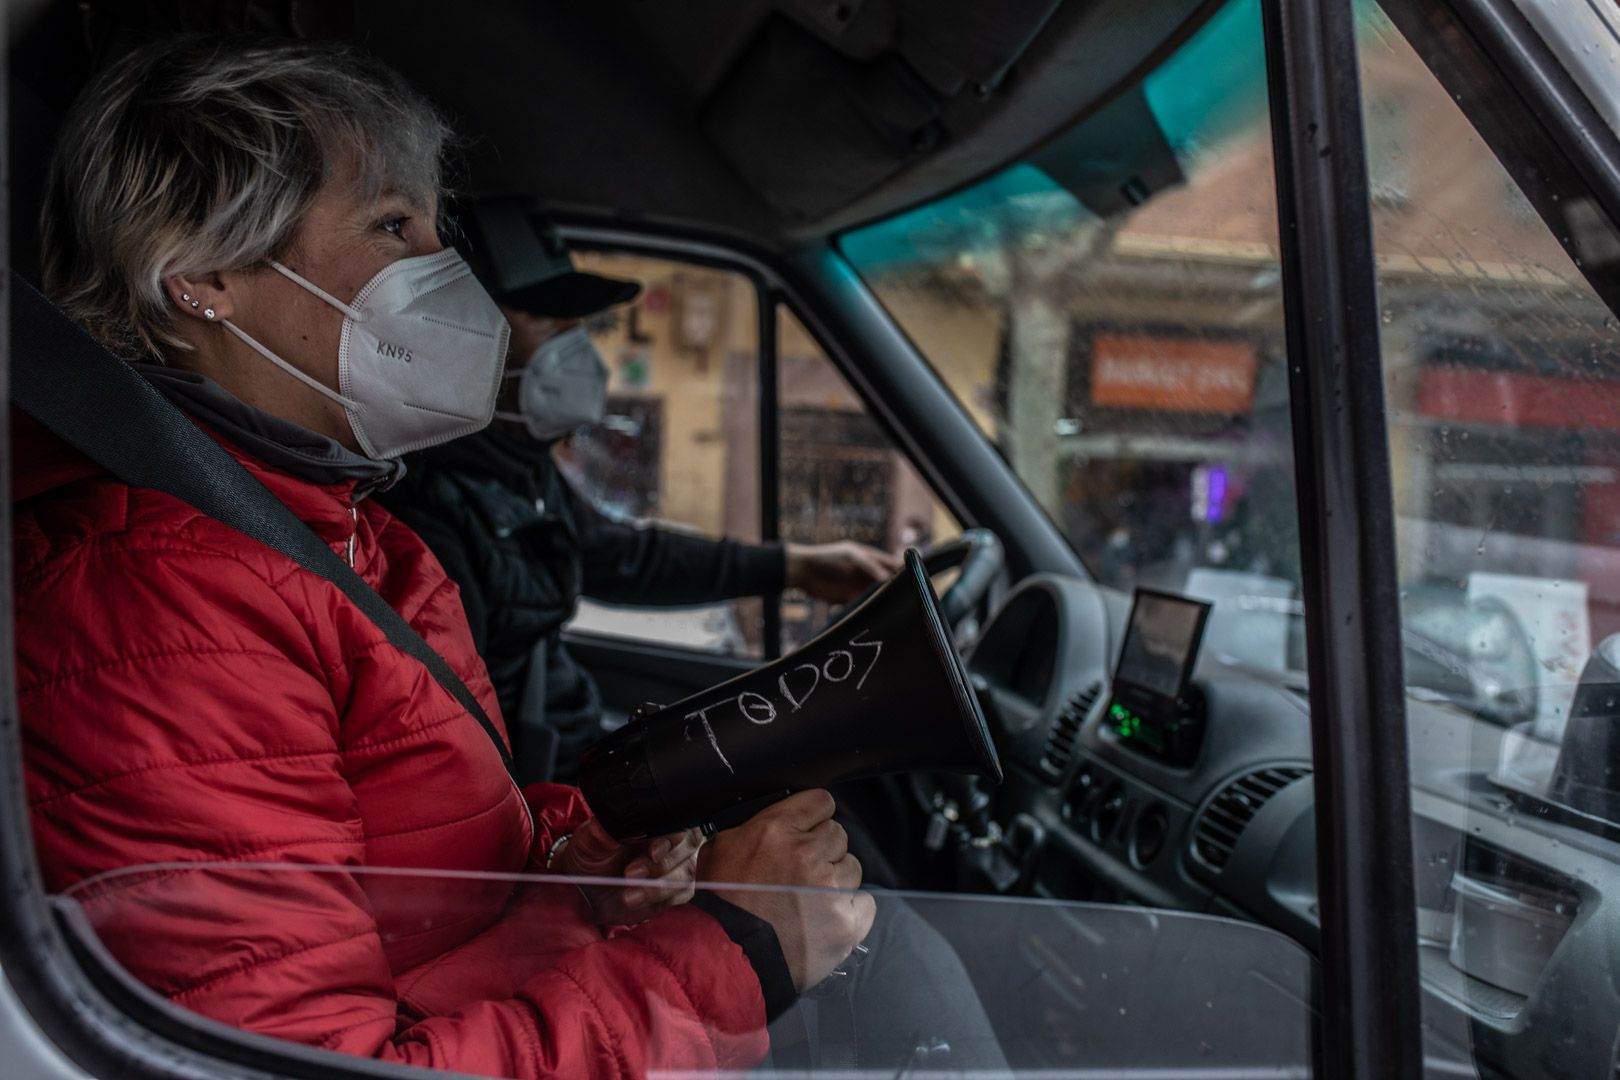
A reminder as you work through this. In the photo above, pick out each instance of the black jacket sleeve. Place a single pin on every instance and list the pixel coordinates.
(450, 541)
(629, 564)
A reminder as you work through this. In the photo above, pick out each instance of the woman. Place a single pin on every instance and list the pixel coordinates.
(256, 226)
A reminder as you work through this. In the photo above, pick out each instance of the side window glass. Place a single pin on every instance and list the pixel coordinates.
(842, 478)
(679, 444)
(1503, 401)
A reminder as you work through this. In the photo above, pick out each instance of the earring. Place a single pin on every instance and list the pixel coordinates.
(185, 296)
(194, 303)
(208, 313)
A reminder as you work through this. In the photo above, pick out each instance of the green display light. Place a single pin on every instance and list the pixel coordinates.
(1126, 723)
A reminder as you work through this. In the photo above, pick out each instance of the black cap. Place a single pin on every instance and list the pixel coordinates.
(525, 265)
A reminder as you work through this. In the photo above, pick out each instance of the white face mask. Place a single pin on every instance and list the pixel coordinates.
(421, 355)
(562, 387)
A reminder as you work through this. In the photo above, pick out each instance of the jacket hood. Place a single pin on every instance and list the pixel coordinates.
(269, 439)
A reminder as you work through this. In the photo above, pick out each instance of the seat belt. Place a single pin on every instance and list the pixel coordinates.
(102, 407)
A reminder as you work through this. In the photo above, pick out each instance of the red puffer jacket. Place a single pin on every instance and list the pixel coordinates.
(190, 695)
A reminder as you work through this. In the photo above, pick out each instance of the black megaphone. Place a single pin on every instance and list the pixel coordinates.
(883, 690)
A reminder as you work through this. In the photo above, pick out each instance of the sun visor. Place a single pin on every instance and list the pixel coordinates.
(811, 129)
(814, 118)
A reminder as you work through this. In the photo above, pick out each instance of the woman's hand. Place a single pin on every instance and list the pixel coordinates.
(667, 865)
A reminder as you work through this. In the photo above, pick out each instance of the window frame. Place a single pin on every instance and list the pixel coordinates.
(772, 293)
(913, 407)
(1345, 502)
(760, 279)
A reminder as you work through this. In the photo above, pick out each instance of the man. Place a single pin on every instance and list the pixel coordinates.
(524, 545)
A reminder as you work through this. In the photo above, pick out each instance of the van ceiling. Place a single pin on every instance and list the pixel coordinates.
(776, 120)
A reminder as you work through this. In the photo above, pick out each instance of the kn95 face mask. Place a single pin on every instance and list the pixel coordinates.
(420, 358)
(562, 387)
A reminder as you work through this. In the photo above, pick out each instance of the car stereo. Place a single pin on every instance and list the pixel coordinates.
(1155, 710)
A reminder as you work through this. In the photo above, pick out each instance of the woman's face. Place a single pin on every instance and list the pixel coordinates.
(343, 242)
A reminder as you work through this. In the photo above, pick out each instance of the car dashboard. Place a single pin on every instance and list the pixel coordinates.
(1517, 937)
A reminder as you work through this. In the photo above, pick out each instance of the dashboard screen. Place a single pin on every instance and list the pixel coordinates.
(1161, 642)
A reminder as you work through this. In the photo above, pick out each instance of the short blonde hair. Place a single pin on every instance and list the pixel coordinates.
(198, 155)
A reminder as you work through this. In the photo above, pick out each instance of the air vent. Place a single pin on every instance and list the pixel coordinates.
(1216, 832)
(1066, 730)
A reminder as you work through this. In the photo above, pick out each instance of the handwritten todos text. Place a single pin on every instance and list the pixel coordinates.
(796, 687)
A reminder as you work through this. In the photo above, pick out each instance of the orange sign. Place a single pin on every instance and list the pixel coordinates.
(1135, 371)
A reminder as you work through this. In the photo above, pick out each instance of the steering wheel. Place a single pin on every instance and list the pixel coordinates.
(979, 553)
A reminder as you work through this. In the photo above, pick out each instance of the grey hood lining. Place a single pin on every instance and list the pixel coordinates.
(278, 443)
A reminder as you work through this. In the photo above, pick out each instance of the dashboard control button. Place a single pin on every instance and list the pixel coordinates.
(1110, 810)
(1148, 835)
(1078, 807)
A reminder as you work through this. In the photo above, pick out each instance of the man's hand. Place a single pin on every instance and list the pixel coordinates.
(668, 865)
(795, 843)
(837, 572)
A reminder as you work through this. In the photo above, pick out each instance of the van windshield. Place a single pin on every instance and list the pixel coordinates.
(1109, 310)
